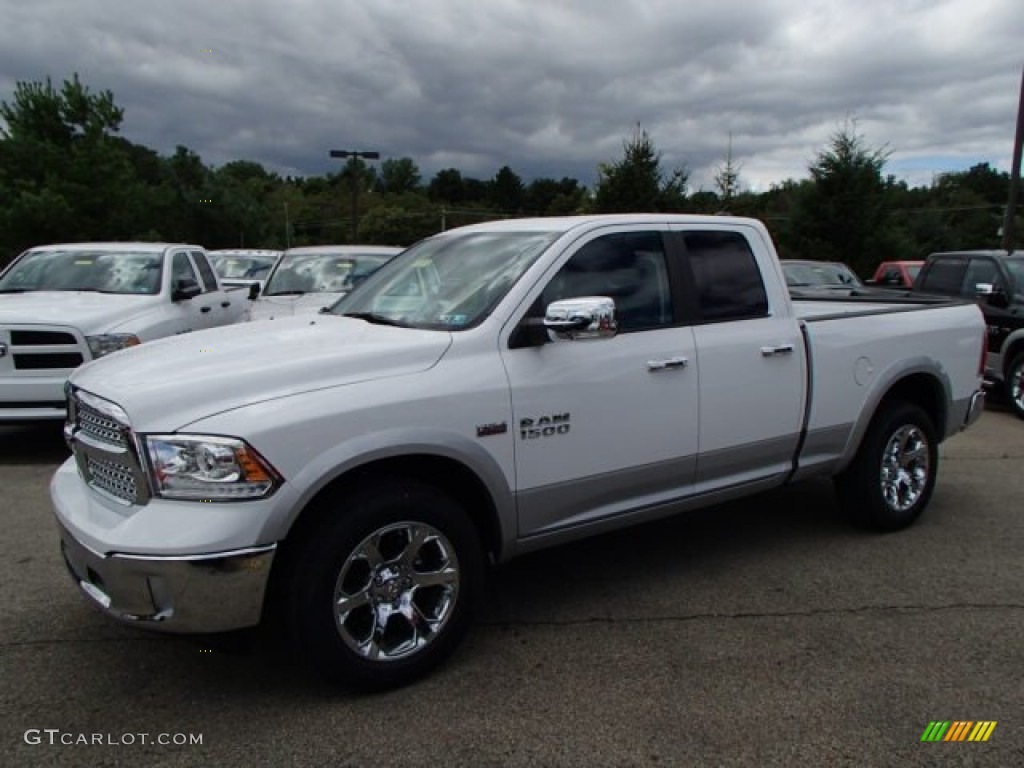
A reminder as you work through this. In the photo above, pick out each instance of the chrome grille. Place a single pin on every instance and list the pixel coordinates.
(98, 426)
(100, 436)
(110, 476)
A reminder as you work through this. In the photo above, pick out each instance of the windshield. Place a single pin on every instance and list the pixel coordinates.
(448, 282)
(819, 274)
(327, 272)
(1016, 268)
(243, 267)
(79, 270)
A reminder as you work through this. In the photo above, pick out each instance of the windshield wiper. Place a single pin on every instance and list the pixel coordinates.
(285, 293)
(373, 317)
(13, 290)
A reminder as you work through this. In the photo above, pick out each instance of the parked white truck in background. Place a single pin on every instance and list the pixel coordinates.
(351, 474)
(310, 278)
(63, 305)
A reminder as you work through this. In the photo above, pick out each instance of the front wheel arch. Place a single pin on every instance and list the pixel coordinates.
(380, 581)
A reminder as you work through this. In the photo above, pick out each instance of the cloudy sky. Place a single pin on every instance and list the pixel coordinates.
(549, 88)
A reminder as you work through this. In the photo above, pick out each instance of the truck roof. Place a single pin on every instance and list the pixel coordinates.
(347, 248)
(566, 223)
(114, 246)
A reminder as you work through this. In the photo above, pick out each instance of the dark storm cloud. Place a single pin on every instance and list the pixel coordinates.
(549, 89)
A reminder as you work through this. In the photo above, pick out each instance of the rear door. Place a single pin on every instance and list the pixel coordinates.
(226, 307)
(750, 357)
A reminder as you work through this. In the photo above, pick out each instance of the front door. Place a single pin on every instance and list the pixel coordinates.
(605, 425)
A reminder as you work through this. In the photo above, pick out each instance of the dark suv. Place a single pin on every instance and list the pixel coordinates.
(995, 279)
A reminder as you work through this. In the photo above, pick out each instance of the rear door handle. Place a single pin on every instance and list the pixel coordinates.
(205, 309)
(669, 363)
(782, 349)
(225, 304)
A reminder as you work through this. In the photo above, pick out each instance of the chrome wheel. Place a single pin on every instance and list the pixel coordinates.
(906, 467)
(1016, 386)
(396, 591)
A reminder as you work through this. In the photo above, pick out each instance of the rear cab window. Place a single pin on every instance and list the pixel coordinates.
(726, 275)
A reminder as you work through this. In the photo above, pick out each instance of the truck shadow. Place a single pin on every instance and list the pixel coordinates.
(696, 547)
(33, 444)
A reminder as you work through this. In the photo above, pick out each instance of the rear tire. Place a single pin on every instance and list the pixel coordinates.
(1015, 385)
(384, 589)
(891, 479)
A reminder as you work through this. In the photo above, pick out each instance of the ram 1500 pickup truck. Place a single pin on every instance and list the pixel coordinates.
(63, 305)
(351, 475)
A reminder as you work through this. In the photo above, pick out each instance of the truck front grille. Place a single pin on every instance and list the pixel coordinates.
(112, 477)
(25, 338)
(35, 349)
(99, 426)
(47, 361)
(100, 436)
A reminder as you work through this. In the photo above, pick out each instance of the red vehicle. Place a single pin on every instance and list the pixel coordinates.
(895, 274)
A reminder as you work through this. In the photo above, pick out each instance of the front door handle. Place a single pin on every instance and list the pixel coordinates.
(204, 309)
(669, 363)
(225, 304)
(782, 349)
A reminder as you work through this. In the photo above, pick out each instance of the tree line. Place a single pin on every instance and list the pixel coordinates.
(66, 176)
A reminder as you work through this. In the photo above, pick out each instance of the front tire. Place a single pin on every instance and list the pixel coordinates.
(1015, 385)
(891, 479)
(384, 588)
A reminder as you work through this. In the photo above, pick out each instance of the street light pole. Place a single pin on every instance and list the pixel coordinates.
(353, 156)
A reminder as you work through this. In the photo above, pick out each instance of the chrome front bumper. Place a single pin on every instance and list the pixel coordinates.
(200, 594)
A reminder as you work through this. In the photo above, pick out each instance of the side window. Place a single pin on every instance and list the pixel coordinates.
(726, 276)
(181, 268)
(979, 271)
(209, 279)
(944, 276)
(627, 267)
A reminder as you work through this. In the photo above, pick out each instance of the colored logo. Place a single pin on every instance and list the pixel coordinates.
(958, 730)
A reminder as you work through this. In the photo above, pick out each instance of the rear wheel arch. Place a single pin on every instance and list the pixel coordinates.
(924, 390)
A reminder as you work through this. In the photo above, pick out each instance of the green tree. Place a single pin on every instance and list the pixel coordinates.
(727, 179)
(447, 187)
(843, 214)
(637, 181)
(506, 191)
(64, 176)
(398, 176)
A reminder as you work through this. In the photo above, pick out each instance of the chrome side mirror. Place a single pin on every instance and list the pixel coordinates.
(587, 317)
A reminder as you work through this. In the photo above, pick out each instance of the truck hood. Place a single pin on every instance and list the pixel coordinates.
(166, 384)
(87, 311)
(273, 307)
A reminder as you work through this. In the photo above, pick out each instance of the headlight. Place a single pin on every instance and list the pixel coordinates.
(206, 468)
(111, 342)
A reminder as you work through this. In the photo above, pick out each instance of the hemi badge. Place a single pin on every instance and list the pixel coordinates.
(485, 430)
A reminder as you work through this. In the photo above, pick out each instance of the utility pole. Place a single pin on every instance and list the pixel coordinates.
(353, 168)
(1011, 203)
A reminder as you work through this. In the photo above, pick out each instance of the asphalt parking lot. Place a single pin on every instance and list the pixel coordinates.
(763, 632)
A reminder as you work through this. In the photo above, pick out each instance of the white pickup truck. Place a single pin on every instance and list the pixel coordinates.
(350, 475)
(63, 305)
